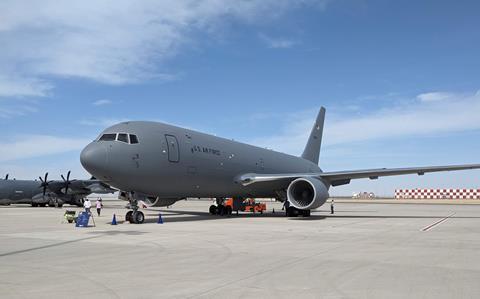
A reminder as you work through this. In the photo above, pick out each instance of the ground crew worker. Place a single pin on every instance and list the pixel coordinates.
(332, 210)
(99, 205)
(87, 205)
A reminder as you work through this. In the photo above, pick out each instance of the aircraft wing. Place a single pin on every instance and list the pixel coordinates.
(337, 178)
(99, 187)
(80, 187)
(86, 187)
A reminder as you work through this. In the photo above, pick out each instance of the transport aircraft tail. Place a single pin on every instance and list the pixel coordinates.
(312, 149)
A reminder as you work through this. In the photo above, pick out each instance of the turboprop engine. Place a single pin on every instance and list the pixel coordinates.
(307, 193)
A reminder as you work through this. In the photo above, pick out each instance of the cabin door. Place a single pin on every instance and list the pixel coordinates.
(173, 150)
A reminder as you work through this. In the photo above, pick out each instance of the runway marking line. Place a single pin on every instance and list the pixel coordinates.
(429, 227)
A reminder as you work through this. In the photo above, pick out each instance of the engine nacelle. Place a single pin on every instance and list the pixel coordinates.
(160, 202)
(307, 193)
(150, 201)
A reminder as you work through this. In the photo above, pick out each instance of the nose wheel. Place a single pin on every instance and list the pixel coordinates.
(135, 216)
(128, 216)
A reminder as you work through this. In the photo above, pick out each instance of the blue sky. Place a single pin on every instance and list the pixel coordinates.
(400, 79)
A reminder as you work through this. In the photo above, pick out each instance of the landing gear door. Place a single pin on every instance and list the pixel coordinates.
(173, 150)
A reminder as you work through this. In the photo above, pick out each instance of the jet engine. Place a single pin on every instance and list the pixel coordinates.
(307, 193)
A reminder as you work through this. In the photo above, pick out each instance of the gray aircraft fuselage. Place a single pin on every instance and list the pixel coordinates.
(173, 162)
(31, 191)
(19, 191)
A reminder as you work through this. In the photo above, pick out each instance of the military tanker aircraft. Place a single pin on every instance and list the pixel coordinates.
(167, 163)
(43, 192)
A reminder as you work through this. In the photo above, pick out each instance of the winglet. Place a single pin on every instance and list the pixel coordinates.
(312, 150)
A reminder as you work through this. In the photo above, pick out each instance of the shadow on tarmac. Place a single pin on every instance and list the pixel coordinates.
(398, 217)
(116, 232)
(171, 215)
(47, 246)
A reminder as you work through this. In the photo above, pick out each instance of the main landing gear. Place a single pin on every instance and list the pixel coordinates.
(135, 216)
(220, 209)
(294, 212)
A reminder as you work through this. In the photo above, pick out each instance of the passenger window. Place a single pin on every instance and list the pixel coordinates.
(122, 137)
(133, 139)
(108, 137)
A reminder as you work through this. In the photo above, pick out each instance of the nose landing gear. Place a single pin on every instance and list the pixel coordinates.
(135, 216)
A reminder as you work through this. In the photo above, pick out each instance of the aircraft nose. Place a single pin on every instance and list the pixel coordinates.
(94, 159)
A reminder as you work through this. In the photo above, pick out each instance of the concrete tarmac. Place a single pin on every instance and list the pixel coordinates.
(365, 250)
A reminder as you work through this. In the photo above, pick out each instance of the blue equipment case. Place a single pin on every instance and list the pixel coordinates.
(82, 220)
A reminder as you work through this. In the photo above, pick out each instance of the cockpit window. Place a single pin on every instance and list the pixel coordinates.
(133, 139)
(122, 137)
(108, 137)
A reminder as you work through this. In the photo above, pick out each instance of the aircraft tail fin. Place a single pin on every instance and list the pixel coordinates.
(312, 149)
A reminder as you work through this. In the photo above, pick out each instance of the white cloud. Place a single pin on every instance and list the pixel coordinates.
(15, 111)
(102, 102)
(31, 146)
(277, 43)
(21, 86)
(110, 41)
(435, 96)
(458, 112)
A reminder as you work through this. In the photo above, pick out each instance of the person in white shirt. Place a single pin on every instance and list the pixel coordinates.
(99, 205)
(87, 205)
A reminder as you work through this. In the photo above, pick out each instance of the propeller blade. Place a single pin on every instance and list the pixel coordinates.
(44, 183)
(67, 181)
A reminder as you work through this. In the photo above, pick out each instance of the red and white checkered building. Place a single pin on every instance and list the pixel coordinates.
(437, 193)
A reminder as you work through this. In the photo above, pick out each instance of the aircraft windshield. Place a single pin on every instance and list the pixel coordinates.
(108, 137)
(133, 139)
(122, 137)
